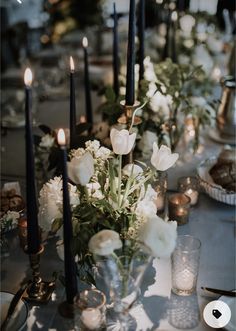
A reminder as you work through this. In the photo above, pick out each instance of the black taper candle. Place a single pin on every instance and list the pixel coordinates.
(88, 102)
(115, 53)
(173, 30)
(72, 104)
(130, 78)
(33, 236)
(166, 51)
(141, 35)
(69, 260)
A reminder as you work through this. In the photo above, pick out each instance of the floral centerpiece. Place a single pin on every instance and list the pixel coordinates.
(104, 195)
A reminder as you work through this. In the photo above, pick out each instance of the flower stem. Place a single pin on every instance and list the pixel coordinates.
(119, 180)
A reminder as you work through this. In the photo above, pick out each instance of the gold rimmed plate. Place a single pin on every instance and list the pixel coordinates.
(20, 315)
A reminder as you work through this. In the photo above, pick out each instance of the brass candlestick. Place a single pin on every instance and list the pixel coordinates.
(38, 291)
(129, 118)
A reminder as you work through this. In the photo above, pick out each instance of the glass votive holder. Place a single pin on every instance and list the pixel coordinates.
(190, 187)
(160, 186)
(90, 310)
(179, 206)
(185, 265)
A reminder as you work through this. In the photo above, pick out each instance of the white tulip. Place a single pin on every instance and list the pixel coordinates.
(162, 159)
(80, 170)
(105, 242)
(158, 236)
(122, 142)
(133, 169)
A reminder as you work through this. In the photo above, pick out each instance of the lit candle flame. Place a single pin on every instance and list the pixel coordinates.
(72, 66)
(174, 16)
(61, 138)
(28, 77)
(85, 42)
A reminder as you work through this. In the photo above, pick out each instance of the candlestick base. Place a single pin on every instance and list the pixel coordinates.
(126, 117)
(38, 291)
(66, 309)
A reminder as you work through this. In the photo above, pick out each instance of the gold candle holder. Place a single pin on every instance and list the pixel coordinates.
(179, 206)
(127, 119)
(38, 291)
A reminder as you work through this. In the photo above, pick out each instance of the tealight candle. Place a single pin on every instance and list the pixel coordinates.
(91, 318)
(179, 208)
(190, 187)
(185, 264)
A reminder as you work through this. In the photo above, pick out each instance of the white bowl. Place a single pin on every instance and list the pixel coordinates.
(215, 191)
(20, 315)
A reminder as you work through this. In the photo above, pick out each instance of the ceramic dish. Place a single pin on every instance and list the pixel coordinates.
(215, 191)
(19, 317)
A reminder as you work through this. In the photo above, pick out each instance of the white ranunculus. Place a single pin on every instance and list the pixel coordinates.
(122, 141)
(133, 169)
(145, 144)
(105, 242)
(47, 141)
(50, 202)
(162, 158)
(158, 236)
(80, 170)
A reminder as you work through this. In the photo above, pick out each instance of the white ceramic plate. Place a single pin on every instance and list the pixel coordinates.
(19, 317)
(231, 302)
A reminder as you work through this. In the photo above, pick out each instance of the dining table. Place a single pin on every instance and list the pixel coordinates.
(157, 308)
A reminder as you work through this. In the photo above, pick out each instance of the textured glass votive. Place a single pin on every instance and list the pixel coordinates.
(90, 310)
(190, 187)
(185, 265)
(179, 205)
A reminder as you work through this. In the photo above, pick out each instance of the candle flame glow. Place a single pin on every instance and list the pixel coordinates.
(28, 77)
(85, 42)
(72, 66)
(61, 138)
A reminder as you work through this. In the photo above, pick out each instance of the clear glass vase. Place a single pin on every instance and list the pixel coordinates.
(123, 276)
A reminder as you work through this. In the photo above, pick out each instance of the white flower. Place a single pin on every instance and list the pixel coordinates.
(92, 146)
(146, 207)
(47, 141)
(133, 169)
(94, 190)
(105, 242)
(80, 170)
(158, 236)
(202, 57)
(11, 216)
(149, 73)
(187, 22)
(215, 45)
(146, 143)
(50, 202)
(103, 153)
(162, 159)
(77, 152)
(161, 103)
(122, 142)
